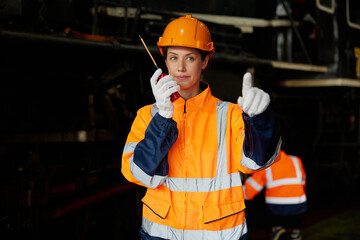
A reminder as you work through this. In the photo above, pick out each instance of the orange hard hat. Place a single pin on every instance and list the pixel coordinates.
(187, 32)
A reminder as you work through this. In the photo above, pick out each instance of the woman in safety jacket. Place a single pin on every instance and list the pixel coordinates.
(189, 152)
(284, 183)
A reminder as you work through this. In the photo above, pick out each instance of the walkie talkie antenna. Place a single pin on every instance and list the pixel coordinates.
(173, 96)
(148, 51)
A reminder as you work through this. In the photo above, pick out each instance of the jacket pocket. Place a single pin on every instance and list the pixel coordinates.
(158, 201)
(220, 211)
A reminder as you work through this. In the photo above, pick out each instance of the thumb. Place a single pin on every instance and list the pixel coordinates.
(246, 83)
(240, 102)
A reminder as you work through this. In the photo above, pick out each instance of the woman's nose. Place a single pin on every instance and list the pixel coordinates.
(181, 66)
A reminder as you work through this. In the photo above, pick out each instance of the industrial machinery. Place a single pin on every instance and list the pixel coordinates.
(73, 74)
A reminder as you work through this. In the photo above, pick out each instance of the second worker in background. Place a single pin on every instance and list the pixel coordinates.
(284, 184)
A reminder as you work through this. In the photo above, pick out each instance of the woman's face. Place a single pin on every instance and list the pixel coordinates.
(185, 65)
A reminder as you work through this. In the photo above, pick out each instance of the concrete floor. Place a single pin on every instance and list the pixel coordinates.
(333, 213)
(323, 224)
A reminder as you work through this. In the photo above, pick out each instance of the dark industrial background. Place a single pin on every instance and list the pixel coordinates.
(73, 73)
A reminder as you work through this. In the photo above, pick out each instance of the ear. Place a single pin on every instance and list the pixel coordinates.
(205, 62)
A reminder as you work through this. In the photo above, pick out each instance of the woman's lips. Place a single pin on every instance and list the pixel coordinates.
(181, 78)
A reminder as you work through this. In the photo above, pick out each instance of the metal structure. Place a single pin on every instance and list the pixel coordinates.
(74, 73)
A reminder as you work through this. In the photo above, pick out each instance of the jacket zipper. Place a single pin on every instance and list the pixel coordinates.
(186, 173)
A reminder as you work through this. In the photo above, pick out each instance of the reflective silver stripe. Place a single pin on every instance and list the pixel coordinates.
(154, 110)
(204, 184)
(166, 232)
(129, 147)
(285, 181)
(254, 184)
(149, 181)
(251, 164)
(298, 170)
(285, 200)
(221, 118)
(138, 173)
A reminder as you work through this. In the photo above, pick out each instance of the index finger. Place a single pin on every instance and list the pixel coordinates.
(155, 77)
(246, 83)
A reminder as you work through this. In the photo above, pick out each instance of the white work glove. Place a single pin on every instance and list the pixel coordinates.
(254, 100)
(162, 90)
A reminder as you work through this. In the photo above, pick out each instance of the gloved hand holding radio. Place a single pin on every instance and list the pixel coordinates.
(254, 100)
(162, 89)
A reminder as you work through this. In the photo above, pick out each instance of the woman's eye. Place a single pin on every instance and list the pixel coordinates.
(172, 58)
(190, 58)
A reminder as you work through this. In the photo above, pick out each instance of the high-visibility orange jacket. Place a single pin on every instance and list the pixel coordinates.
(191, 166)
(284, 184)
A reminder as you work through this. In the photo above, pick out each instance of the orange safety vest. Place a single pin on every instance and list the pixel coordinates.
(194, 188)
(284, 184)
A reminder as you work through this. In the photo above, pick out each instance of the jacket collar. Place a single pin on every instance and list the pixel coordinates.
(194, 103)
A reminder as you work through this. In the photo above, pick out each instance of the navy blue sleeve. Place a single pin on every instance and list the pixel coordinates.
(262, 136)
(151, 153)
